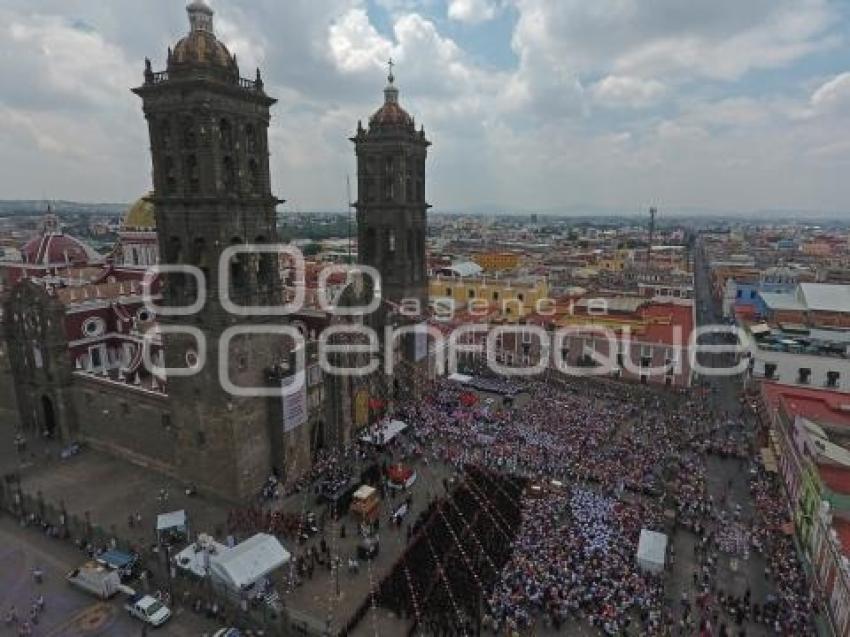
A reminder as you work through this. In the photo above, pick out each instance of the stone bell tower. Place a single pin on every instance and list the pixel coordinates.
(391, 207)
(209, 144)
(392, 226)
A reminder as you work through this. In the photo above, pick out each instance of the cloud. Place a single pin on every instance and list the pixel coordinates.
(614, 102)
(721, 39)
(623, 91)
(833, 94)
(472, 11)
(355, 45)
(50, 61)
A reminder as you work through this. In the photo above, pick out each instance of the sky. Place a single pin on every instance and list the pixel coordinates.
(532, 105)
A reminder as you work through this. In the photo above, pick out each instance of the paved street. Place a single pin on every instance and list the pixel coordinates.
(68, 612)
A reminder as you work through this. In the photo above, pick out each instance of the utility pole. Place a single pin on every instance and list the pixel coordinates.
(652, 214)
(350, 213)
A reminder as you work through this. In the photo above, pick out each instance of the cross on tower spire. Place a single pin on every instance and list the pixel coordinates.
(391, 91)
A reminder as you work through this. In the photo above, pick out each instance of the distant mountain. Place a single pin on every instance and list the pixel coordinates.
(582, 211)
(39, 206)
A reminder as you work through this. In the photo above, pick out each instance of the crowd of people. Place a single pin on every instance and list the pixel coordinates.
(574, 559)
(623, 459)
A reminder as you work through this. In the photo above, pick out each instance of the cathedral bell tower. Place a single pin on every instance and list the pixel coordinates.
(209, 144)
(391, 207)
(391, 230)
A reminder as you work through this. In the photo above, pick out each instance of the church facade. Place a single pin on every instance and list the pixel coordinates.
(91, 361)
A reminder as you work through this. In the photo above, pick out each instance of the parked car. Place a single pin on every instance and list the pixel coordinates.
(123, 563)
(148, 609)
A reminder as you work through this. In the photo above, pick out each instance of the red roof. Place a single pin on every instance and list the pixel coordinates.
(817, 405)
(664, 331)
(55, 248)
(836, 478)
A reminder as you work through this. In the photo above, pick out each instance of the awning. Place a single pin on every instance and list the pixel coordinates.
(460, 378)
(173, 520)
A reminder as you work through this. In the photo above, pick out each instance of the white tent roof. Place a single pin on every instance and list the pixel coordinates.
(175, 519)
(460, 378)
(390, 431)
(652, 550)
(194, 557)
(364, 492)
(249, 561)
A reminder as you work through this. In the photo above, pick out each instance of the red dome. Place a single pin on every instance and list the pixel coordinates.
(391, 114)
(55, 248)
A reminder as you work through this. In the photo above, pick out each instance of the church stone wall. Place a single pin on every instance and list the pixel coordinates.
(126, 422)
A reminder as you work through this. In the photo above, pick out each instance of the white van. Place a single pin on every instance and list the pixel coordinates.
(95, 579)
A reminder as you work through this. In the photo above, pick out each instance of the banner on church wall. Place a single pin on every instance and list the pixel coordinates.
(294, 406)
(361, 408)
(421, 343)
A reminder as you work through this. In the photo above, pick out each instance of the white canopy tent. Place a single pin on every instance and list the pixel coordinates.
(463, 379)
(173, 520)
(171, 525)
(197, 556)
(384, 432)
(248, 562)
(652, 551)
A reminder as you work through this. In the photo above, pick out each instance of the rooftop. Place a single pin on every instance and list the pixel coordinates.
(824, 407)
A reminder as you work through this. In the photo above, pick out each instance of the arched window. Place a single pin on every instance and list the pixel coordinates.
(411, 258)
(369, 251)
(193, 176)
(253, 176)
(265, 268)
(199, 252)
(172, 251)
(165, 133)
(190, 138)
(238, 272)
(225, 134)
(251, 144)
(228, 177)
(170, 175)
(175, 281)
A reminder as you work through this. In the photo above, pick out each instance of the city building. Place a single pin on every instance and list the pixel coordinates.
(511, 297)
(497, 261)
(810, 439)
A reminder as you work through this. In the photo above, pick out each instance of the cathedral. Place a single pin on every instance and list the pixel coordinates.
(90, 361)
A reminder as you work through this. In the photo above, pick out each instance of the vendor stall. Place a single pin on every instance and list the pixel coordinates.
(172, 528)
(652, 551)
(401, 476)
(365, 504)
(242, 566)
